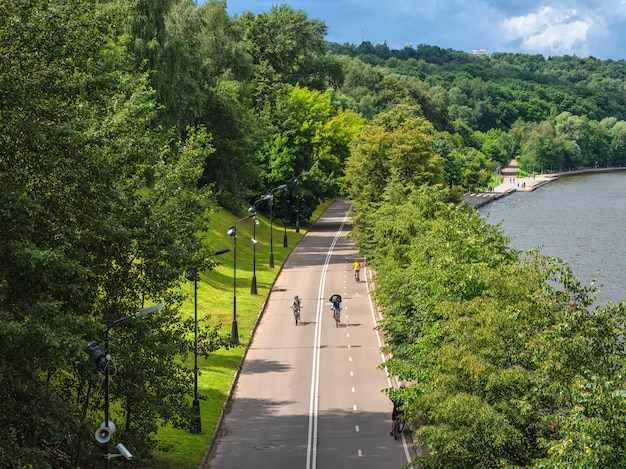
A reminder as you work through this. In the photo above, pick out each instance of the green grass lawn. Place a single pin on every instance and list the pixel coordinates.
(215, 300)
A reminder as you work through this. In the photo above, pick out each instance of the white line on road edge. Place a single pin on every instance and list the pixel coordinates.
(311, 451)
(384, 360)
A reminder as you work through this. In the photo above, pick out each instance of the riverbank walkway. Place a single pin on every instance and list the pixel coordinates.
(511, 183)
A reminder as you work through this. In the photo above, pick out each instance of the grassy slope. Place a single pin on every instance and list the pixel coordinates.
(215, 299)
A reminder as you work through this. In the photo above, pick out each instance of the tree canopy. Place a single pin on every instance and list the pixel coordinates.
(123, 124)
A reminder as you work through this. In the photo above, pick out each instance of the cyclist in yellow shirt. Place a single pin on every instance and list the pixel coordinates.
(357, 268)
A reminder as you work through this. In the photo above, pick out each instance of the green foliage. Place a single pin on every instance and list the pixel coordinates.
(310, 138)
(199, 66)
(499, 147)
(83, 239)
(472, 96)
(123, 124)
(233, 170)
(507, 366)
(290, 48)
(396, 148)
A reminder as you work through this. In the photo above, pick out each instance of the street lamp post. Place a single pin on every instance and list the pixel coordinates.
(281, 187)
(253, 289)
(297, 181)
(252, 210)
(103, 362)
(232, 231)
(285, 240)
(298, 213)
(196, 422)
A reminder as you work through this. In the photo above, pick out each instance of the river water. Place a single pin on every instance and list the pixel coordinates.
(579, 219)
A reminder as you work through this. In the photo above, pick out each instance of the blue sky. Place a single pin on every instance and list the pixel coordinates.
(591, 28)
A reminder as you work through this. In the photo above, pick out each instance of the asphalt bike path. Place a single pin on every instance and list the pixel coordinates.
(309, 396)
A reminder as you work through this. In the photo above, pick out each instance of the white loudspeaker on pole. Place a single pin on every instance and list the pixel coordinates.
(103, 434)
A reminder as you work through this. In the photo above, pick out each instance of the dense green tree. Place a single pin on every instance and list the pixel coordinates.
(288, 47)
(476, 168)
(147, 36)
(199, 67)
(233, 170)
(83, 239)
(311, 137)
(574, 131)
(599, 146)
(618, 143)
(398, 89)
(499, 147)
(541, 148)
(445, 145)
(499, 351)
(395, 147)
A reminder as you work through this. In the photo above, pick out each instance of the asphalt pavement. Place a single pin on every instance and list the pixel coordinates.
(310, 395)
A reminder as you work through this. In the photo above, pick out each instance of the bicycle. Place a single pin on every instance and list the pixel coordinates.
(295, 306)
(335, 301)
(357, 267)
(398, 427)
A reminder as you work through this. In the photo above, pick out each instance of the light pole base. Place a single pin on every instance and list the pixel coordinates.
(285, 242)
(196, 422)
(253, 290)
(272, 260)
(234, 333)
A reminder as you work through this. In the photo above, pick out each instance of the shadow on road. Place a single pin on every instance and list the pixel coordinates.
(260, 434)
(264, 366)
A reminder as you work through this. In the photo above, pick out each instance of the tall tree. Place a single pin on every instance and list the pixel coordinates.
(288, 47)
(498, 351)
(310, 136)
(83, 239)
(396, 147)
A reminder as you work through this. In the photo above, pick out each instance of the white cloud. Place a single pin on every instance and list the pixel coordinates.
(558, 39)
(549, 30)
(548, 27)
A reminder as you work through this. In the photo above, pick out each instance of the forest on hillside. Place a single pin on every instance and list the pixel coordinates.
(124, 124)
(553, 114)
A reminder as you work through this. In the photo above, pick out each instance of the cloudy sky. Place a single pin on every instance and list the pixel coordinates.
(585, 28)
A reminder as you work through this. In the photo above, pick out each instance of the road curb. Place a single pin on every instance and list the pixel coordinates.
(207, 455)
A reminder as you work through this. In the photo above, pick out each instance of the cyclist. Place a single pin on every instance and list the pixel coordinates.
(295, 306)
(397, 411)
(357, 267)
(335, 299)
(336, 307)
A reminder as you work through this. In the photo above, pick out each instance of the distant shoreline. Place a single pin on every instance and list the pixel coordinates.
(575, 172)
(528, 184)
